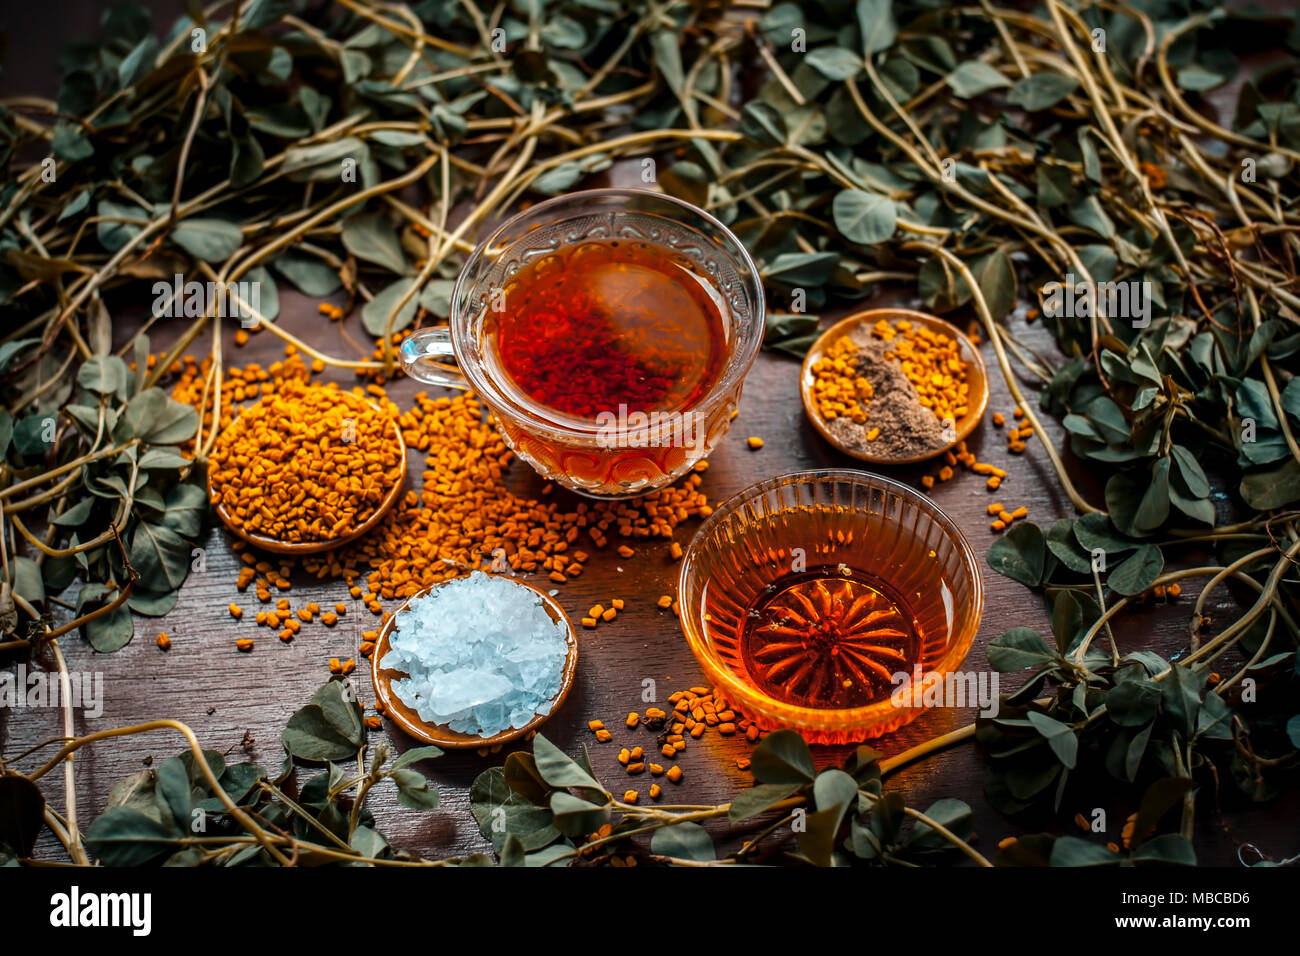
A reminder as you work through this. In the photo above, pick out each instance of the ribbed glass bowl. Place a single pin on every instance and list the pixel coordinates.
(870, 523)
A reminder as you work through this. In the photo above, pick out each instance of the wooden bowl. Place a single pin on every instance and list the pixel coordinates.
(977, 379)
(267, 543)
(406, 717)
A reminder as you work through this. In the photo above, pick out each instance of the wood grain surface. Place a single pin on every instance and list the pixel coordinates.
(237, 703)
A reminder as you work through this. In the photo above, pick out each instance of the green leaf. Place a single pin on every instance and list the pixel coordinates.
(1180, 692)
(160, 556)
(975, 77)
(372, 238)
(1020, 554)
(1133, 703)
(173, 791)
(158, 419)
(114, 235)
(684, 841)
(667, 52)
(262, 13)
(28, 583)
(1274, 488)
(110, 633)
(758, 799)
(1038, 91)
(375, 313)
(1137, 572)
(1189, 469)
(1170, 849)
(558, 769)
(782, 757)
(187, 507)
(834, 62)
(1019, 648)
(414, 791)
(955, 816)
(762, 123)
(863, 217)
(416, 754)
(802, 269)
(1073, 851)
(328, 728)
(212, 240)
(877, 25)
(1060, 737)
(1154, 508)
(121, 836)
(575, 816)
(309, 275)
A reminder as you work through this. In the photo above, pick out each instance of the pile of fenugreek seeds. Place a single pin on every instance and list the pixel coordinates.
(463, 517)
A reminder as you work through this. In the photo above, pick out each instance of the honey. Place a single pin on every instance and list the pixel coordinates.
(830, 637)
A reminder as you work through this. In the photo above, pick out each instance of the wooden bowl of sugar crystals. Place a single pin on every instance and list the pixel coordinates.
(474, 662)
(894, 386)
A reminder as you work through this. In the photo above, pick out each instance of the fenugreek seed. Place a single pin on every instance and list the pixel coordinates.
(993, 483)
(609, 615)
(998, 420)
(754, 442)
(727, 729)
(245, 644)
(751, 734)
(996, 508)
(1005, 517)
(164, 642)
(340, 609)
(596, 610)
(336, 665)
(635, 768)
(698, 731)
(656, 769)
(997, 526)
(675, 773)
(595, 725)
(287, 636)
(668, 750)
(236, 611)
(604, 736)
(630, 796)
(665, 601)
(617, 604)
(329, 618)
(633, 719)
(675, 551)
(1021, 512)
(589, 622)
(625, 552)
(624, 756)
(655, 791)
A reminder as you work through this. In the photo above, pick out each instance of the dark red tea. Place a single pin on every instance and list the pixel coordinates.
(607, 324)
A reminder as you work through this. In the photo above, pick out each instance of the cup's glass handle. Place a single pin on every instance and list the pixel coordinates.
(425, 355)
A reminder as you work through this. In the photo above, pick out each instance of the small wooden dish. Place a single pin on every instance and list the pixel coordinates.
(406, 717)
(275, 545)
(977, 379)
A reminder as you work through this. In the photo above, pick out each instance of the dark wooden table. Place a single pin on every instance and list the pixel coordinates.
(238, 703)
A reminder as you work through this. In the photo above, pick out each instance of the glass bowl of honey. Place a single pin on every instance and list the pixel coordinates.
(817, 601)
(609, 332)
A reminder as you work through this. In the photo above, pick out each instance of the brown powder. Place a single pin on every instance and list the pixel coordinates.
(907, 428)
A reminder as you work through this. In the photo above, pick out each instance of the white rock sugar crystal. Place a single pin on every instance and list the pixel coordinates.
(481, 655)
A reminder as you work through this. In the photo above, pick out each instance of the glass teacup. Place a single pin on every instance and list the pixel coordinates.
(600, 447)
